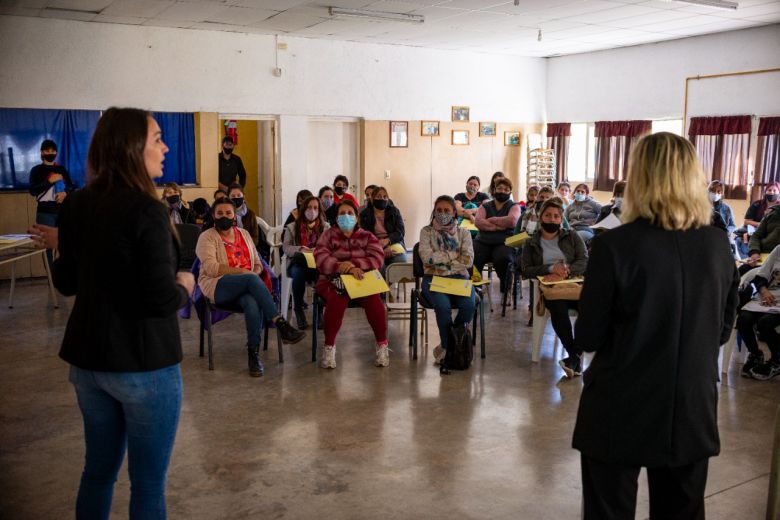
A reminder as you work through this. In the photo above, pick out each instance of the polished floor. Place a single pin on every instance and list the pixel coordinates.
(358, 442)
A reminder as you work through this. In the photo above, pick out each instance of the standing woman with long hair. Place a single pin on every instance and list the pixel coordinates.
(118, 256)
(659, 299)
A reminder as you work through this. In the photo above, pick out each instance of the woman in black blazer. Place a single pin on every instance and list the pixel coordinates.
(659, 299)
(118, 256)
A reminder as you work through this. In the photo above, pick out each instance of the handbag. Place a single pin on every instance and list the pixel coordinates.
(559, 291)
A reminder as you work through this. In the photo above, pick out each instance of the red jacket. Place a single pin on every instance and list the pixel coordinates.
(362, 249)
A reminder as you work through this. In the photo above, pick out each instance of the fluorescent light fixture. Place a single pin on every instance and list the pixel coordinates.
(715, 4)
(379, 16)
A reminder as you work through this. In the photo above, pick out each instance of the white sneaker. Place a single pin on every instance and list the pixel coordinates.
(328, 357)
(382, 355)
(438, 355)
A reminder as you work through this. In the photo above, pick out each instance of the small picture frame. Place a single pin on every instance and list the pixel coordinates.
(460, 137)
(487, 129)
(511, 138)
(399, 134)
(460, 114)
(429, 128)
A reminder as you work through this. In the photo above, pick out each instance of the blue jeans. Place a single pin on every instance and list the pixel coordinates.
(585, 234)
(300, 276)
(443, 305)
(136, 411)
(47, 219)
(250, 293)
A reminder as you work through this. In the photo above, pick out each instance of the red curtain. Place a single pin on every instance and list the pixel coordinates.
(767, 155)
(558, 139)
(723, 145)
(614, 141)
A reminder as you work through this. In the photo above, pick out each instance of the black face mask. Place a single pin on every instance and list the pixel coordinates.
(223, 223)
(238, 201)
(771, 198)
(551, 227)
(173, 199)
(227, 151)
(379, 204)
(501, 197)
(339, 190)
(49, 157)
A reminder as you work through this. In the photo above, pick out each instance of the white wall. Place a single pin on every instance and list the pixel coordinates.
(648, 81)
(334, 149)
(49, 63)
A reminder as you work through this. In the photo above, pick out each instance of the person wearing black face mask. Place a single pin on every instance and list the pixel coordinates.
(340, 187)
(384, 221)
(557, 254)
(230, 165)
(496, 220)
(178, 210)
(50, 183)
(245, 217)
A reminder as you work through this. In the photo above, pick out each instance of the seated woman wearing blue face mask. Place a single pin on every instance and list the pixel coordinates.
(446, 250)
(583, 212)
(228, 276)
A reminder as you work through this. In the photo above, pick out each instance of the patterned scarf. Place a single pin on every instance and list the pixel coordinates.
(446, 236)
(308, 236)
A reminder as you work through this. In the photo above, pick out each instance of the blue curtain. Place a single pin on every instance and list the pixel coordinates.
(178, 132)
(23, 129)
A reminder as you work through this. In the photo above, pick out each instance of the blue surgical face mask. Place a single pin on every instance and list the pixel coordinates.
(346, 222)
(579, 197)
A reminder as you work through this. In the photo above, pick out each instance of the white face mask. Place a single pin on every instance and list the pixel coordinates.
(715, 197)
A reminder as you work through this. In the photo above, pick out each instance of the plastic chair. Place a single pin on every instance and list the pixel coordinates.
(273, 238)
(539, 324)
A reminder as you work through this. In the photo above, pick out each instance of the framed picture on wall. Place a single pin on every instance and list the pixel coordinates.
(460, 114)
(429, 128)
(460, 137)
(399, 134)
(487, 129)
(511, 138)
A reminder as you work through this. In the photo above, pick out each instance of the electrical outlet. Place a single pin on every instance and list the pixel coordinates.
(281, 46)
(277, 72)
(387, 174)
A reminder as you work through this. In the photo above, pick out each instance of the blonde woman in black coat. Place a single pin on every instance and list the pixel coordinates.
(659, 299)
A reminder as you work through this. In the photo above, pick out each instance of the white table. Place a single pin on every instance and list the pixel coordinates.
(13, 250)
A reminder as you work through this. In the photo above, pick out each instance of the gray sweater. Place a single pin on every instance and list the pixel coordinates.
(583, 214)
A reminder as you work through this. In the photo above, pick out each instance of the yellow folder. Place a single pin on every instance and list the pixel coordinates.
(567, 280)
(310, 262)
(372, 283)
(476, 278)
(397, 249)
(455, 286)
(467, 224)
(764, 256)
(516, 240)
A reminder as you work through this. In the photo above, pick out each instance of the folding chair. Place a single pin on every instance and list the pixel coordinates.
(539, 324)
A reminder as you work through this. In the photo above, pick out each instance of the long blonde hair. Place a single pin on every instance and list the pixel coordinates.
(666, 184)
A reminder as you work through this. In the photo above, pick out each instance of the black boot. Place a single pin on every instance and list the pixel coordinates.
(300, 318)
(255, 365)
(289, 333)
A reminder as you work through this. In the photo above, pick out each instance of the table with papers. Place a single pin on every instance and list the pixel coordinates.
(16, 247)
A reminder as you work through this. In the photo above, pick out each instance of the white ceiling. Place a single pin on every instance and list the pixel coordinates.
(493, 26)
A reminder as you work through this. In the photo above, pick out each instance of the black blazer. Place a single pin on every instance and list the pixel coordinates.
(119, 257)
(656, 306)
(394, 223)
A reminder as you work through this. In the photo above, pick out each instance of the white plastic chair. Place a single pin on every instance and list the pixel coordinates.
(399, 273)
(273, 238)
(286, 283)
(540, 322)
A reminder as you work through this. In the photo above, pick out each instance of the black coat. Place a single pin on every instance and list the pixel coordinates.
(119, 257)
(656, 306)
(394, 223)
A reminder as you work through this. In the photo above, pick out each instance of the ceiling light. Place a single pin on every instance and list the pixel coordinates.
(539, 36)
(715, 4)
(379, 16)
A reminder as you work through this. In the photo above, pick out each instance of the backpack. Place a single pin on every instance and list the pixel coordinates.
(460, 352)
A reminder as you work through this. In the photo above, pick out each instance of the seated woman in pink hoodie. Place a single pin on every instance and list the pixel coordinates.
(348, 249)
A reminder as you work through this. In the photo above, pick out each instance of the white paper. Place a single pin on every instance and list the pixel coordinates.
(611, 222)
(755, 306)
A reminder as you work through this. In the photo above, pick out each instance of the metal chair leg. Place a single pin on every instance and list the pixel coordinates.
(482, 328)
(211, 339)
(413, 325)
(314, 326)
(265, 334)
(202, 331)
(279, 344)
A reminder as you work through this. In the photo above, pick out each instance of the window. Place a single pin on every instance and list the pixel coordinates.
(673, 126)
(578, 152)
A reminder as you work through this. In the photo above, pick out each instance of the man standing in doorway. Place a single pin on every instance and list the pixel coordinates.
(230, 165)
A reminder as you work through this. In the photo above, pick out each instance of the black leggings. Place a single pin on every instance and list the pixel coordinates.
(559, 316)
(765, 323)
(500, 255)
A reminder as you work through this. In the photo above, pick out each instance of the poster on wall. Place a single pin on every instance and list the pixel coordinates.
(487, 129)
(511, 138)
(460, 137)
(460, 114)
(399, 134)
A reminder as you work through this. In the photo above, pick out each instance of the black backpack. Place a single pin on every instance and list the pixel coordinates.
(461, 351)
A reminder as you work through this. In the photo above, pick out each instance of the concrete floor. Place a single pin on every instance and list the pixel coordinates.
(352, 443)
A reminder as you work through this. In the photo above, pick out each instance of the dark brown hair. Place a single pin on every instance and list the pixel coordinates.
(583, 185)
(115, 161)
(555, 203)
